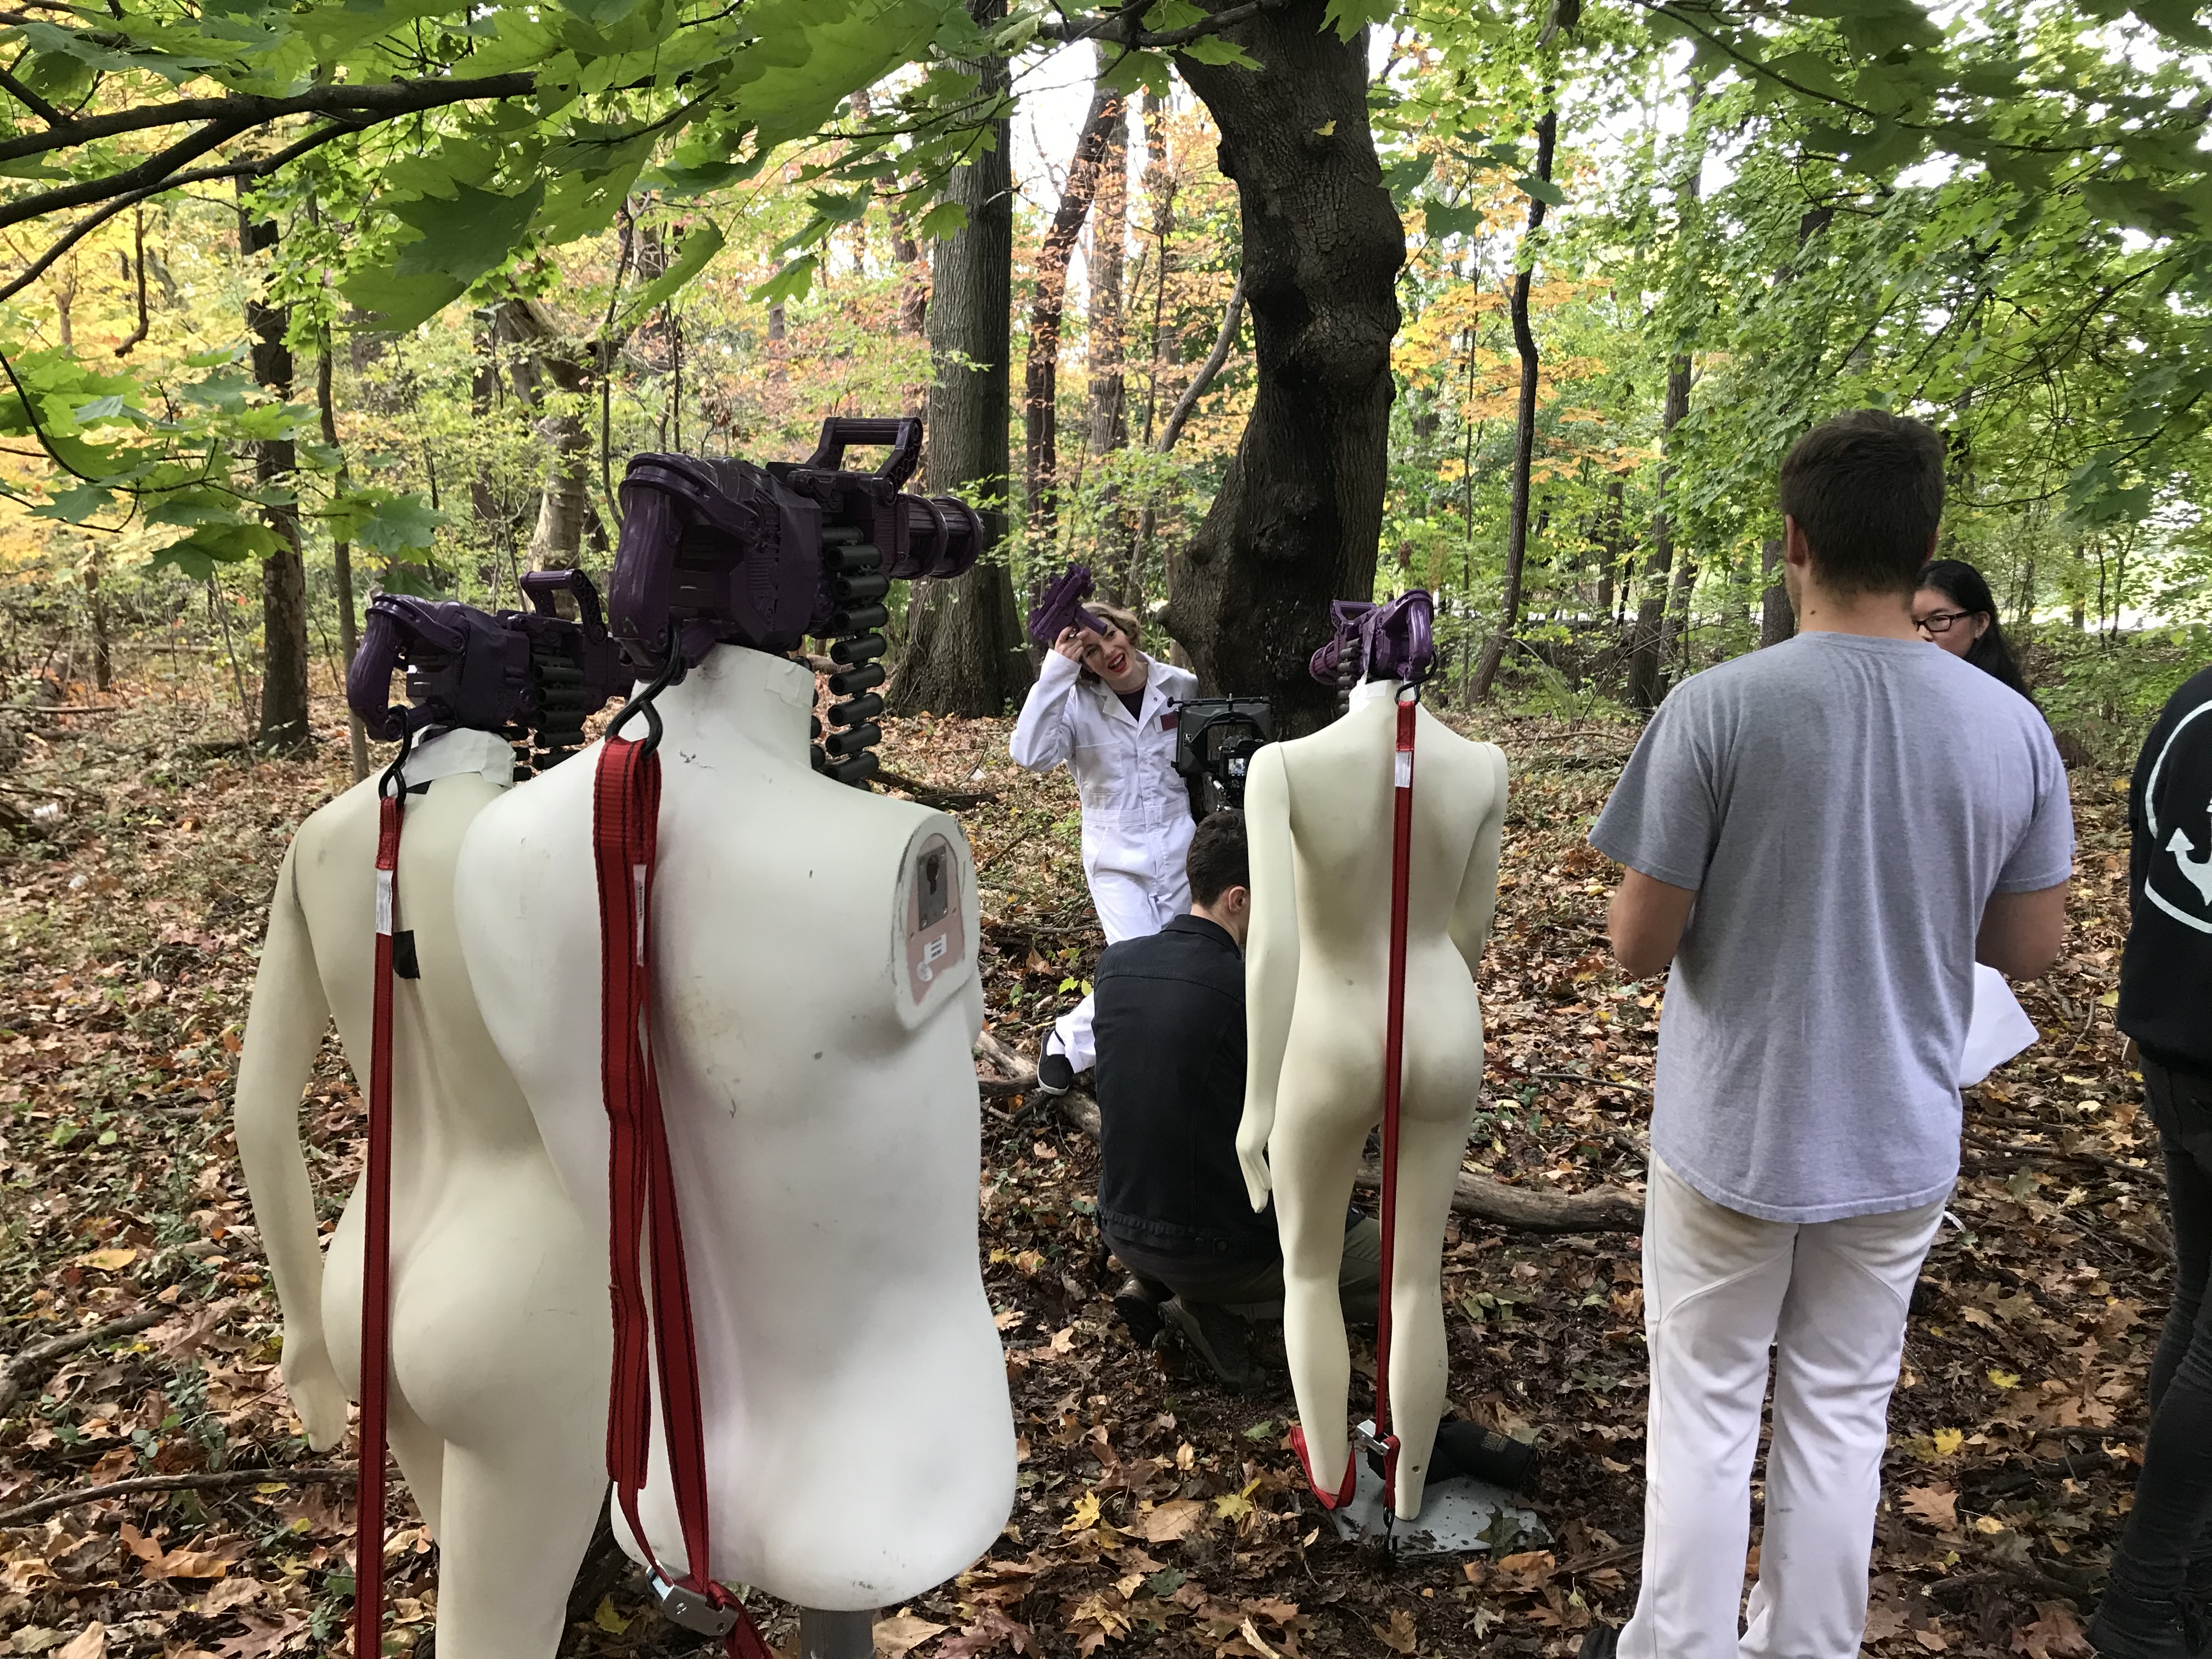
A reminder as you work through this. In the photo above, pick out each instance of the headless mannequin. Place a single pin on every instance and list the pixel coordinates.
(500, 1336)
(815, 1001)
(1318, 813)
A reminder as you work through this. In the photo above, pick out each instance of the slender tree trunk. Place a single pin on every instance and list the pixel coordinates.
(283, 722)
(1109, 429)
(1524, 429)
(914, 286)
(95, 603)
(963, 652)
(1041, 384)
(1777, 621)
(1609, 547)
(548, 366)
(342, 561)
(1295, 520)
(1648, 645)
(1160, 192)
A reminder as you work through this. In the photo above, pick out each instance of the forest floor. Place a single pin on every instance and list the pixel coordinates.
(1156, 1512)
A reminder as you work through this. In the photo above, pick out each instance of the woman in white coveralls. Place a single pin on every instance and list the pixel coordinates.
(1102, 705)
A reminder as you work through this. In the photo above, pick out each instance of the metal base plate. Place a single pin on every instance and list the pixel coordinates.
(1458, 1517)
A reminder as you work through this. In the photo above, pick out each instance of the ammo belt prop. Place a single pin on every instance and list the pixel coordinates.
(625, 813)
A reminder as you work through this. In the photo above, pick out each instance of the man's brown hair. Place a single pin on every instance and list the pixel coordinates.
(1217, 860)
(1867, 490)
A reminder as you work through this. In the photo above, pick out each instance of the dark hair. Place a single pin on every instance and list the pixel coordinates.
(1867, 490)
(1960, 583)
(1218, 860)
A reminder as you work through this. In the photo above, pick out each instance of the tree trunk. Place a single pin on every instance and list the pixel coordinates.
(963, 652)
(342, 563)
(914, 286)
(1041, 384)
(96, 602)
(1299, 511)
(1776, 621)
(1524, 428)
(283, 575)
(1160, 193)
(1648, 645)
(1109, 428)
(549, 365)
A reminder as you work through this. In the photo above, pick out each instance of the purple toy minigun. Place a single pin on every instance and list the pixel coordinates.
(1395, 641)
(1061, 607)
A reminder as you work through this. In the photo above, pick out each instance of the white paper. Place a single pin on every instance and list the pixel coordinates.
(1998, 1030)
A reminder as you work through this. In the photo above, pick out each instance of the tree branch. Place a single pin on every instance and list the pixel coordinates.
(1223, 344)
(30, 100)
(17, 1371)
(1119, 28)
(304, 1475)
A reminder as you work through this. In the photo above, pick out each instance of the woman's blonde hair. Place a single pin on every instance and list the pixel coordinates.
(1132, 629)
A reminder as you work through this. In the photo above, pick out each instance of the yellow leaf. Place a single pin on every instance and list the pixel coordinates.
(1326, 128)
(108, 1261)
(607, 1619)
(2005, 1379)
(2110, 1000)
(1234, 1506)
(1948, 1441)
(1401, 1636)
(1084, 1514)
(1988, 1523)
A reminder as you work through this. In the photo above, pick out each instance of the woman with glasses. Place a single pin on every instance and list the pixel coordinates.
(1953, 607)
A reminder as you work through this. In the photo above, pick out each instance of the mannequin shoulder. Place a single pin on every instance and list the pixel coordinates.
(340, 834)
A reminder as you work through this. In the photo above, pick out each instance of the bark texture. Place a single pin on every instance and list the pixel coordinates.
(1524, 428)
(284, 720)
(1041, 383)
(1777, 621)
(1109, 230)
(1295, 520)
(964, 653)
(548, 363)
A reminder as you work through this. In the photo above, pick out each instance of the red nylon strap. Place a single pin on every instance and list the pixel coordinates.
(642, 1188)
(376, 1262)
(1393, 1058)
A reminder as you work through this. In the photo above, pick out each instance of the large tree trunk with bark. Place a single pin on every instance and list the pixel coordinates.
(283, 574)
(1524, 429)
(964, 653)
(1776, 621)
(1041, 384)
(551, 364)
(1300, 508)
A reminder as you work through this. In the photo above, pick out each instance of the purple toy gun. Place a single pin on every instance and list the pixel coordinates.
(723, 552)
(1392, 641)
(532, 676)
(1061, 607)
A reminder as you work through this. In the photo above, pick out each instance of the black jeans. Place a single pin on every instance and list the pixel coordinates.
(2173, 1494)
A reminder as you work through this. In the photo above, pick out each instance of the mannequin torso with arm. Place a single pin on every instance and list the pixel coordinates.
(1318, 811)
(500, 1336)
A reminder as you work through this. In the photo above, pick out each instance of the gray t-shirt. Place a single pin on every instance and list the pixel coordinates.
(1843, 808)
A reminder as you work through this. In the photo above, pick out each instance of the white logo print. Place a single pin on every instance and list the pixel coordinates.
(2177, 847)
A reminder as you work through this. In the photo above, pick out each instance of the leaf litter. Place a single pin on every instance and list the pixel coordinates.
(1154, 1513)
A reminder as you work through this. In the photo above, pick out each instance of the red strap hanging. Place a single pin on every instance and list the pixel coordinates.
(1393, 1057)
(626, 811)
(376, 1263)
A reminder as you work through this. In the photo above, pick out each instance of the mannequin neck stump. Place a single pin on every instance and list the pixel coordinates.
(1369, 691)
(739, 695)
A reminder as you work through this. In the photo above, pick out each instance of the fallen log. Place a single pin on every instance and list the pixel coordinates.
(1518, 1209)
(221, 1481)
(16, 1373)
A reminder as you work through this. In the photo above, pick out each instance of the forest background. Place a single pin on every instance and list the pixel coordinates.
(1632, 253)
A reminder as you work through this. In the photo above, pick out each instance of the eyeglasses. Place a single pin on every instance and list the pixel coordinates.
(1939, 622)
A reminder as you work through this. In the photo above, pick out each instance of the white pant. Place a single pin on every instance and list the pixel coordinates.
(1720, 1288)
(1128, 907)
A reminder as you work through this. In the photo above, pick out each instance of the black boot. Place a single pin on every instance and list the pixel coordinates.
(1600, 1642)
(1223, 1339)
(1138, 1304)
(2130, 1625)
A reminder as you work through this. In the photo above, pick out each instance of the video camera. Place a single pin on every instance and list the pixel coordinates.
(1215, 740)
(725, 552)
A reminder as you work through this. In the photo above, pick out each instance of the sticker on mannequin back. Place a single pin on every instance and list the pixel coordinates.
(934, 947)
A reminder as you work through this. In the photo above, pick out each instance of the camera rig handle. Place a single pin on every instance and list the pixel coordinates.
(902, 432)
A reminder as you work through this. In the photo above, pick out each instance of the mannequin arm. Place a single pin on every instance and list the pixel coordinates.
(284, 1028)
(1271, 962)
(1478, 888)
(1044, 736)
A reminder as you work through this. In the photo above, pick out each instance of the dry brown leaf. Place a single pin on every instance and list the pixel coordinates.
(91, 1643)
(1938, 1505)
(2055, 1634)
(1401, 1636)
(1170, 1521)
(230, 1593)
(903, 1633)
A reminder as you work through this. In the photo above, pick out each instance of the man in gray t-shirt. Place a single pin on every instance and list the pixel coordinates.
(1822, 838)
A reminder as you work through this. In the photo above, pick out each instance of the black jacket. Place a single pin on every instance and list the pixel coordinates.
(2166, 973)
(1170, 1032)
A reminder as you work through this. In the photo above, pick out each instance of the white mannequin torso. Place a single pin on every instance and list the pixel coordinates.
(500, 1340)
(1318, 811)
(823, 1117)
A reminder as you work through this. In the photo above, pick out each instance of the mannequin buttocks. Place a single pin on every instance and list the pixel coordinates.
(500, 1330)
(1318, 812)
(815, 1004)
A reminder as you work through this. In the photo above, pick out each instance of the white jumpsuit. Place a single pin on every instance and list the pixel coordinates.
(1136, 809)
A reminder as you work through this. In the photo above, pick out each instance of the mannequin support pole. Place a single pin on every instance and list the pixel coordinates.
(824, 1635)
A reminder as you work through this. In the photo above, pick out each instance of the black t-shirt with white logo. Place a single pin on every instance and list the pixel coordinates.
(2166, 976)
